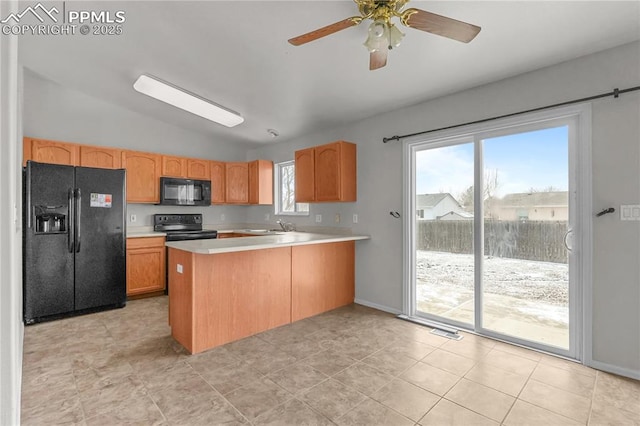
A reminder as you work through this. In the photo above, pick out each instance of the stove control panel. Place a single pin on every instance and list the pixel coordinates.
(164, 222)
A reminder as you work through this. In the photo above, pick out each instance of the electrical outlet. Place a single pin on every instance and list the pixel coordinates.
(222, 216)
(318, 218)
(355, 218)
(337, 218)
(179, 268)
(267, 217)
(133, 218)
(630, 212)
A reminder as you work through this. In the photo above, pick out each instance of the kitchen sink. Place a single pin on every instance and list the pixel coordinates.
(265, 231)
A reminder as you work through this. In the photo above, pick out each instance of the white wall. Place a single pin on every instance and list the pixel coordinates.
(616, 175)
(55, 112)
(11, 328)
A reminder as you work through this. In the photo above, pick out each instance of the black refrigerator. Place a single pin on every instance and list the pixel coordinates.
(74, 257)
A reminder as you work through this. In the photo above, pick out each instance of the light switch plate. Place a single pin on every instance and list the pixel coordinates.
(318, 218)
(133, 218)
(355, 218)
(179, 268)
(630, 212)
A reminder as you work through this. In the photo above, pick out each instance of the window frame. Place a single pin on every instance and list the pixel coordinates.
(277, 192)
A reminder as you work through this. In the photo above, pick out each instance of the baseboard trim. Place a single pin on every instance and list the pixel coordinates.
(378, 307)
(620, 371)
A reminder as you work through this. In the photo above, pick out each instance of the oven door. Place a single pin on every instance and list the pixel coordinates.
(185, 192)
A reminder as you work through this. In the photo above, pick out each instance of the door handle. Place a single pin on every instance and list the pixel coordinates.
(566, 238)
(27, 195)
(71, 222)
(78, 207)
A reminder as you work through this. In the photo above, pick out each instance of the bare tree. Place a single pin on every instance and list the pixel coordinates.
(287, 186)
(491, 185)
(466, 199)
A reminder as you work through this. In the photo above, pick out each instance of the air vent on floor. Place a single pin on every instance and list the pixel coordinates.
(447, 334)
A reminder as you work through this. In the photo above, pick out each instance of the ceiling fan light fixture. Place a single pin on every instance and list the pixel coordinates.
(378, 38)
(395, 36)
(190, 102)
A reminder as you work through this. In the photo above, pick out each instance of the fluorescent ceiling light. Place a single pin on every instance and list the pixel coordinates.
(187, 101)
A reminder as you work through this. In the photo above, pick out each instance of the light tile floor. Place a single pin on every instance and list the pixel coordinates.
(350, 366)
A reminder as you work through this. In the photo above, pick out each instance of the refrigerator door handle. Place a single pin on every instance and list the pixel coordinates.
(27, 195)
(77, 219)
(70, 235)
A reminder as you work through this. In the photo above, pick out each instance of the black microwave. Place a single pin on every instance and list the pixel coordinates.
(184, 192)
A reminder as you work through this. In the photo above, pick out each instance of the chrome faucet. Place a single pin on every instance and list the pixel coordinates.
(286, 226)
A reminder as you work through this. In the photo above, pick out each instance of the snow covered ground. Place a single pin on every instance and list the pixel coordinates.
(527, 299)
(530, 280)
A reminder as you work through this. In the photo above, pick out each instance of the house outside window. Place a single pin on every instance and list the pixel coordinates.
(284, 188)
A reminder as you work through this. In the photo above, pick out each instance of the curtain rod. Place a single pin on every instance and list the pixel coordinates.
(615, 93)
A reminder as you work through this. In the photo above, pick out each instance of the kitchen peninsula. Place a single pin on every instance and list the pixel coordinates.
(226, 289)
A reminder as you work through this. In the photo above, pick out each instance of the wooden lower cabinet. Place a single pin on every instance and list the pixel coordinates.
(234, 235)
(219, 298)
(146, 265)
(322, 278)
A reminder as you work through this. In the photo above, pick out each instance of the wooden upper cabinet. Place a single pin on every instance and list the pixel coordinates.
(174, 166)
(198, 169)
(53, 152)
(143, 176)
(97, 156)
(305, 175)
(218, 188)
(237, 183)
(261, 182)
(326, 173)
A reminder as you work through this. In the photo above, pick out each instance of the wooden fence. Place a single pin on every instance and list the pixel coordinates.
(530, 240)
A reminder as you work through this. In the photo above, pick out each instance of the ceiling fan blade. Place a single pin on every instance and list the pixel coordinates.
(325, 31)
(378, 59)
(440, 25)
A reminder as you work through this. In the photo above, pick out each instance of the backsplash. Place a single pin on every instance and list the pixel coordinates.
(213, 215)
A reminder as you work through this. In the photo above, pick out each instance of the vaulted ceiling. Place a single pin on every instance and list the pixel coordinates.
(235, 53)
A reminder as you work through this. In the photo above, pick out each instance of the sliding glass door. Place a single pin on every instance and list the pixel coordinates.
(491, 233)
(525, 209)
(444, 232)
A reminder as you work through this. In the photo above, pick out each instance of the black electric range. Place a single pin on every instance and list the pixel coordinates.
(182, 227)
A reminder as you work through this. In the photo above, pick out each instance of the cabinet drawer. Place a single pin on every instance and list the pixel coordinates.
(144, 242)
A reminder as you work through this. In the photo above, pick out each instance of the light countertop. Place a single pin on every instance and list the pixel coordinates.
(228, 245)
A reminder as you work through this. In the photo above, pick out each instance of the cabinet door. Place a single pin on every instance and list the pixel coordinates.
(305, 175)
(198, 169)
(174, 166)
(327, 172)
(96, 156)
(218, 187)
(237, 183)
(143, 176)
(261, 182)
(146, 265)
(53, 152)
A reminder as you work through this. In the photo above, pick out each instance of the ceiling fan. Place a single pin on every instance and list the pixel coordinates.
(384, 35)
